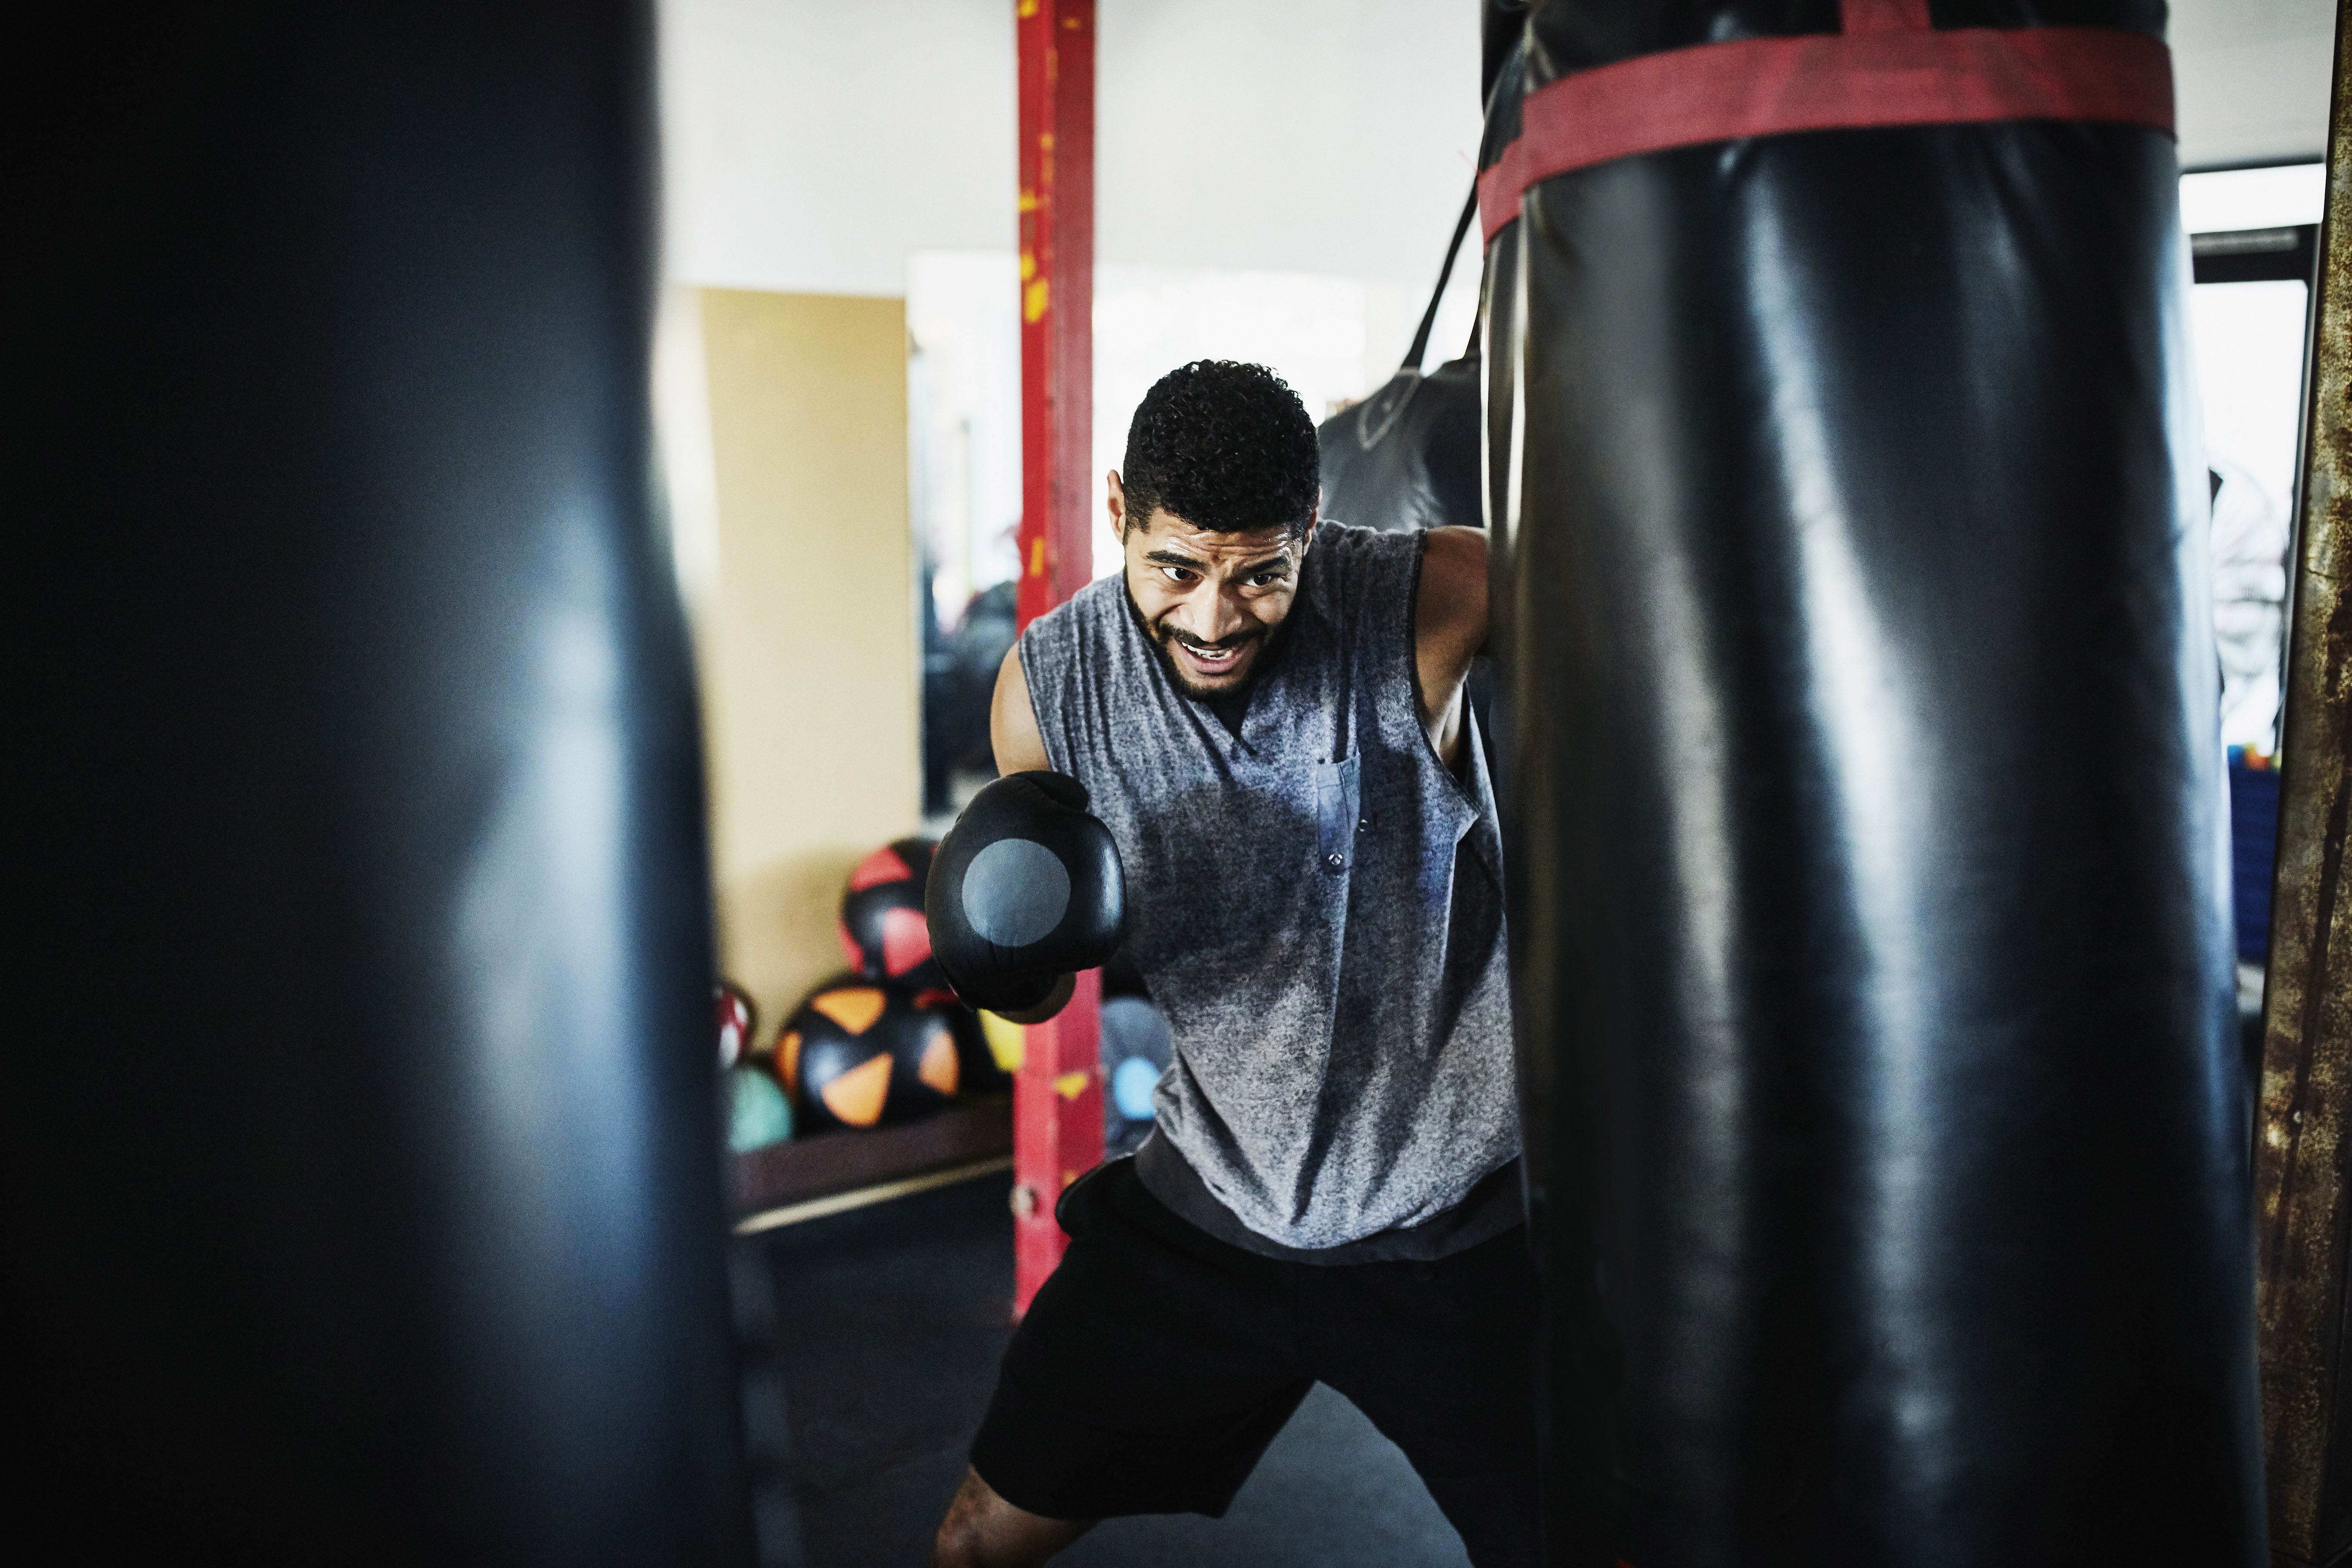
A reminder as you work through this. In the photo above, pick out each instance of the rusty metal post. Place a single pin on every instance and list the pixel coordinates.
(2300, 1146)
(1058, 1114)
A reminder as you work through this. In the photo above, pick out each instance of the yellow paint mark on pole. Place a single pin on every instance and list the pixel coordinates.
(1071, 1085)
(1032, 301)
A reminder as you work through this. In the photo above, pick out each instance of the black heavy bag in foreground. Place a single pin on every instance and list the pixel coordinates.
(1025, 890)
(361, 770)
(1868, 896)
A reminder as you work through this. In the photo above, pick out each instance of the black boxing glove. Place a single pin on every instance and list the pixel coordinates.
(1025, 891)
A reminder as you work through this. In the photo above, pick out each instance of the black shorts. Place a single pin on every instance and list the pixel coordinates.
(1158, 1362)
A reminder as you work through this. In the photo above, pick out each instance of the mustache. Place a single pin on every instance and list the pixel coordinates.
(1178, 633)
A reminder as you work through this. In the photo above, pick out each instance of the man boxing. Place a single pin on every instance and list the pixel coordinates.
(1267, 718)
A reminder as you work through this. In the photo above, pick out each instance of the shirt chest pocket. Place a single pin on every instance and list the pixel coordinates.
(1336, 797)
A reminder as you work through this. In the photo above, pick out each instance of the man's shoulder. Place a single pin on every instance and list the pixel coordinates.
(1078, 641)
(1084, 612)
(1345, 544)
(1354, 571)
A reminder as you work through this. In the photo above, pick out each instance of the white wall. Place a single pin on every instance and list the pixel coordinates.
(2252, 80)
(812, 147)
(1337, 137)
(808, 147)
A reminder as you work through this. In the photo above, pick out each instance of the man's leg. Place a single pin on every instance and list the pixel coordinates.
(982, 1530)
(1441, 1356)
(1149, 1374)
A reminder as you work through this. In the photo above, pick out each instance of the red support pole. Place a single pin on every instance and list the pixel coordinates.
(1058, 1115)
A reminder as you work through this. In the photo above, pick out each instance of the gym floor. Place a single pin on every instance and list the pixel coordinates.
(871, 1342)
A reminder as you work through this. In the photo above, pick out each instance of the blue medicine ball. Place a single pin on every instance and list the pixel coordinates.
(1131, 1085)
(1136, 1049)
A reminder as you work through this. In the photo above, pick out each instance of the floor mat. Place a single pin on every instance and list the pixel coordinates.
(871, 1343)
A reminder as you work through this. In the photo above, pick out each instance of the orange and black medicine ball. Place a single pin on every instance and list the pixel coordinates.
(860, 1055)
(882, 928)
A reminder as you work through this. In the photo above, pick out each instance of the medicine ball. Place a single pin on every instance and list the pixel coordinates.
(980, 1071)
(882, 928)
(1136, 1047)
(758, 1113)
(860, 1055)
(739, 1022)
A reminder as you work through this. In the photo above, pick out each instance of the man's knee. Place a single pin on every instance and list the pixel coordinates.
(959, 1544)
(982, 1530)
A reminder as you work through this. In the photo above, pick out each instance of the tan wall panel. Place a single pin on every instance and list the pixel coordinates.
(812, 683)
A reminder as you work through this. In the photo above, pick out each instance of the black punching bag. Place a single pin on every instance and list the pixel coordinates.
(367, 1199)
(1869, 898)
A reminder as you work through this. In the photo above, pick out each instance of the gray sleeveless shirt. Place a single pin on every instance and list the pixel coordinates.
(1317, 906)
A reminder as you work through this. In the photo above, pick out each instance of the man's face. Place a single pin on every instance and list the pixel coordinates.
(1211, 601)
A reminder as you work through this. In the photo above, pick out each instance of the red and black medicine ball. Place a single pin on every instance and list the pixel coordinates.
(738, 1020)
(857, 1054)
(882, 926)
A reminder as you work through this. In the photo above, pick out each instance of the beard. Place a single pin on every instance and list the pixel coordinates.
(1163, 635)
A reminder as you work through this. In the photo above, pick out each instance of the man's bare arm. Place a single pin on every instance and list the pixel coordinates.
(1449, 627)
(1013, 723)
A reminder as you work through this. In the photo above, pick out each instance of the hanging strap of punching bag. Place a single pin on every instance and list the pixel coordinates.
(1888, 68)
(1413, 356)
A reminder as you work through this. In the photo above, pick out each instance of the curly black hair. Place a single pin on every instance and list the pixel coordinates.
(1225, 447)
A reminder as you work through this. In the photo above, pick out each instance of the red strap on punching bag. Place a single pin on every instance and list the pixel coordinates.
(1884, 16)
(1888, 68)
